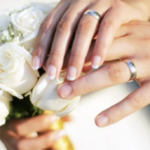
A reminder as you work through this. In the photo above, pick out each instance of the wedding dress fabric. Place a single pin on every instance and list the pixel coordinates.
(132, 133)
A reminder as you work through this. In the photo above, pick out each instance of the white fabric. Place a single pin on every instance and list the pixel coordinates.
(132, 133)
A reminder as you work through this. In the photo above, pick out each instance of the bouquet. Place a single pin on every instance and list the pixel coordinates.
(25, 92)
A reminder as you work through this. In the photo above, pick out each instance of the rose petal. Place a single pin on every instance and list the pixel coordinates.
(11, 91)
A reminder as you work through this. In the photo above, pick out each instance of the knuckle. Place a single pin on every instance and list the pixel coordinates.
(115, 72)
(107, 24)
(136, 102)
(78, 56)
(54, 57)
(18, 129)
(55, 53)
(139, 101)
(85, 26)
(44, 26)
(39, 50)
(64, 25)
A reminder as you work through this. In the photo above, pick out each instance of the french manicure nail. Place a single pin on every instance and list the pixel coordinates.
(52, 72)
(36, 63)
(96, 62)
(71, 74)
(65, 90)
(54, 118)
(102, 121)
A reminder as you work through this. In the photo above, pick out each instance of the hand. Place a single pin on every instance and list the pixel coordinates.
(67, 19)
(17, 135)
(134, 46)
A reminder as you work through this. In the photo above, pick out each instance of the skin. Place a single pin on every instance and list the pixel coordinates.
(67, 21)
(133, 45)
(16, 135)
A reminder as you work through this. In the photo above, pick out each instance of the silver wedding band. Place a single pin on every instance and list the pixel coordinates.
(93, 13)
(132, 69)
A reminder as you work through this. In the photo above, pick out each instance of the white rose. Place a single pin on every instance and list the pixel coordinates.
(45, 96)
(28, 22)
(16, 73)
(5, 99)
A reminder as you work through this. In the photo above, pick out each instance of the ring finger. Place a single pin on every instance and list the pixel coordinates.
(113, 74)
(85, 32)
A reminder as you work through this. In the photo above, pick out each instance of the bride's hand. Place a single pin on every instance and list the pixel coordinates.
(31, 133)
(134, 46)
(67, 19)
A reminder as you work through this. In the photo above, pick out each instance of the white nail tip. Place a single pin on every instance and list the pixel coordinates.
(35, 68)
(51, 77)
(95, 67)
(71, 78)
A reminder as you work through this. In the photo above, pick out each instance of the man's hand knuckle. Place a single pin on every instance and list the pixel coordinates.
(136, 102)
(115, 72)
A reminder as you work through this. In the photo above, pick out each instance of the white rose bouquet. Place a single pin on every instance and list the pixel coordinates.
(25, 92)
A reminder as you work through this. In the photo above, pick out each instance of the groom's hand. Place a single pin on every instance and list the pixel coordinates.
(23, 134)
(133, 46)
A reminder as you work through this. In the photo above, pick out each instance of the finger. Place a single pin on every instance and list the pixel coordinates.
(41, 142)
(106, 34)
(135, 101)
(5, 135)
(64, 33)
(45, 35)
(87, 68)
(86, 30)
(114, 52)
(113, 74)
(24, 127)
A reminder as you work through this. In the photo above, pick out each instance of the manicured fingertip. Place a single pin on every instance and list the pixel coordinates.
(51, 71)
(96, 62)
(101, 121)
(36, 63)
(72, 73)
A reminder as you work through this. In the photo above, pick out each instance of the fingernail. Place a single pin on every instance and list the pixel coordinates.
(101, 121)
(96, 62)
(54, 118)
(72, 72)
(36, 63)
(58, 134)
(52, 72)
(65, 90)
